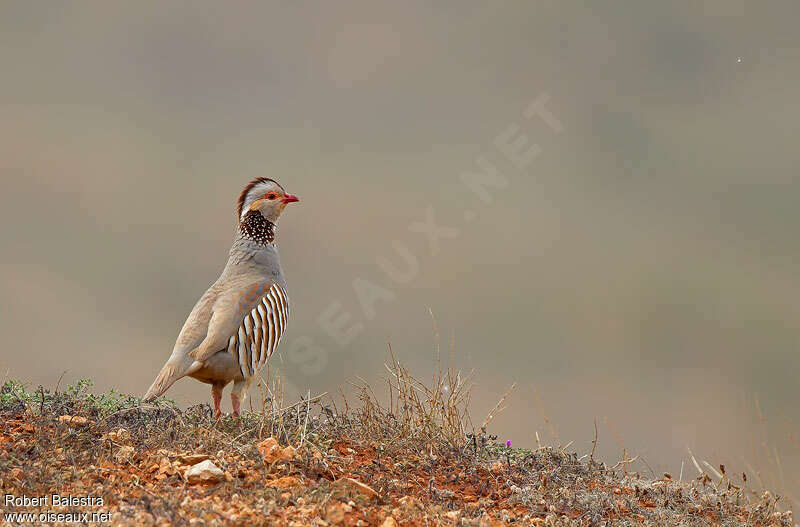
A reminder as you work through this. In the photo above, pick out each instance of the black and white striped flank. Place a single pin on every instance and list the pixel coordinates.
(260, 331)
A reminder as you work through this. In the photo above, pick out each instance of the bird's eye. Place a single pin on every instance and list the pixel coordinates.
(271, 196)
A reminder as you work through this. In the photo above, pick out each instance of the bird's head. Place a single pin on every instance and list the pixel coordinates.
(265, 196)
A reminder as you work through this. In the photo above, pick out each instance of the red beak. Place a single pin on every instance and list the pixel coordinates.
(289, 198)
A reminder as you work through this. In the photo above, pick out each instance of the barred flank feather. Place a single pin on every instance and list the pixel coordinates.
(260, 331)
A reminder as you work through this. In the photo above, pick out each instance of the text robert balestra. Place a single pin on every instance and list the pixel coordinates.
(53, 500)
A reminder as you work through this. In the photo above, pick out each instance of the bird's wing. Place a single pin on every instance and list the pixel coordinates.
(248, 322)
(195, 328)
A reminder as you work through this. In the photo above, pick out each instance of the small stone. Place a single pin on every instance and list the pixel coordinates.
(204, 472)
(191, 459)
(453, 516)
(289, 453)
(73, 420)
(335, 514)
(356, 486)
(389, 522)
(119, 435)
(124, 453)
(270, 450)
(144, 518)
(165, 467)
(410, 503)
(284, 483)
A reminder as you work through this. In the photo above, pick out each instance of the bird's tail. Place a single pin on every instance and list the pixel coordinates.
(174, 369)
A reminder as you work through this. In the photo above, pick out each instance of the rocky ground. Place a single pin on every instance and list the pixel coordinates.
(412, 463)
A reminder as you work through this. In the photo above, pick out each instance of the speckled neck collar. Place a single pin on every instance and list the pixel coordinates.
(257, 228)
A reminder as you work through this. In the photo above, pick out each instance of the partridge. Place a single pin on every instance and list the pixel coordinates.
(237, 324)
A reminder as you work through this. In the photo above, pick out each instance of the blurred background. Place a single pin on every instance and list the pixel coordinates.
(641, 271)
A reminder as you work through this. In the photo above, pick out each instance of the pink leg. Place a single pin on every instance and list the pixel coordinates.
(216, 394)
(237, 394)
(236, 404)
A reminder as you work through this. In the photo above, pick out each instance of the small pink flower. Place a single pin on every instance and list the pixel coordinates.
(508, 443)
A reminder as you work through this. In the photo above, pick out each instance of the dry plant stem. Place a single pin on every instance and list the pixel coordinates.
(498, 407)
(625, 461)
(544, 416)
(594, 446)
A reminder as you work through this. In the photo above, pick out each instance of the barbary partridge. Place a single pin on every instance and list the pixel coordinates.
(237, 324)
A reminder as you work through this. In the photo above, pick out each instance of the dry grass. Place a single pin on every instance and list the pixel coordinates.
(415, 447)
